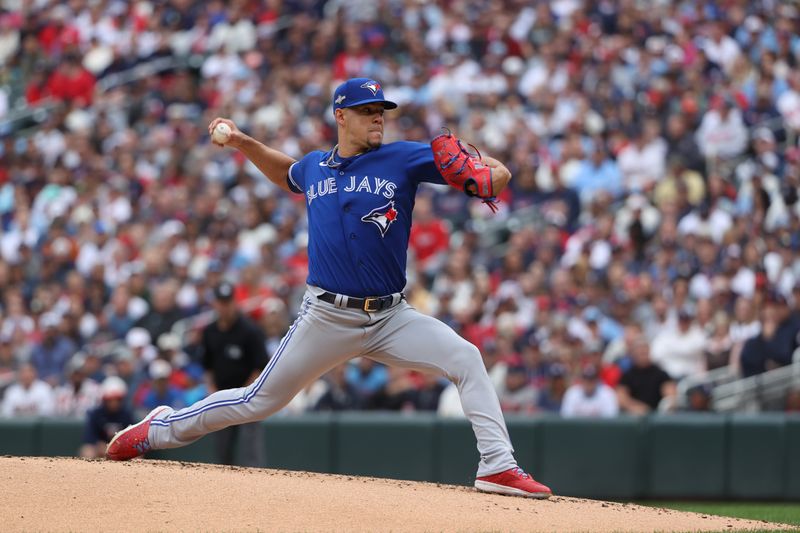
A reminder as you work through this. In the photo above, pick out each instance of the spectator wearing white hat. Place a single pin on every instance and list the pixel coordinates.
(170, 349)
(140, 343)
(160, 390)
(106, 419)
(750, 35)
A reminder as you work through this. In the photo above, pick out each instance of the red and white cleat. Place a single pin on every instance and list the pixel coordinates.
(513, 482)
(132, 441)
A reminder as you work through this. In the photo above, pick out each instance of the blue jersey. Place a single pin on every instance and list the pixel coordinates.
(359, 215)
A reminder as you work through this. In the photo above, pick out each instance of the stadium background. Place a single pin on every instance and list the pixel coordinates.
(653, 147)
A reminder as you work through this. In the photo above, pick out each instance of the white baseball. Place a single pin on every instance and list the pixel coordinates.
(221, 133)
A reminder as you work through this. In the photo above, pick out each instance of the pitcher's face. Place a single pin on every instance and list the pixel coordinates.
(362, 126)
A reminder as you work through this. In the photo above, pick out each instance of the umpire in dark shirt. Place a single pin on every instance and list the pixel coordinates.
(234, 354)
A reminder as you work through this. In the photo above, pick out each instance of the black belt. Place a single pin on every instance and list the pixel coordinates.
(370, 304)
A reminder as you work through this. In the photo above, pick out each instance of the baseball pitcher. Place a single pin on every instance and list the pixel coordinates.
(359, 197)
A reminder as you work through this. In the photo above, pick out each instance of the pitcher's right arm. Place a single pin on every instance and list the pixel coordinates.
(272, 163)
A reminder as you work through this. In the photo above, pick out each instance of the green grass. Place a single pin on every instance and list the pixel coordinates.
(783, 512)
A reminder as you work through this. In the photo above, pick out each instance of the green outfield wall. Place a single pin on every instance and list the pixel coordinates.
(744, 457)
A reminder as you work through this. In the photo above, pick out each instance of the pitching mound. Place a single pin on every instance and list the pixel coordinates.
(61, 494)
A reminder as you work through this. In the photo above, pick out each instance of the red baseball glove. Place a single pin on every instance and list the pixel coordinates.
(462, 169)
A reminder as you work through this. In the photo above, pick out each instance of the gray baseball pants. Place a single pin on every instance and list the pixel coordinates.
(325, 335)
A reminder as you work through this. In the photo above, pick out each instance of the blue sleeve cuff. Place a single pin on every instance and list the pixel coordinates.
(291, 182)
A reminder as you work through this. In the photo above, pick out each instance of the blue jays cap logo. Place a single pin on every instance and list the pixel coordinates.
(373, 87)
(382, 217)
(358, 91)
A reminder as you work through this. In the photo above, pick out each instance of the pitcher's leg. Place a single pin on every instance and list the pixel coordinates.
(309, 349)
(412, 340)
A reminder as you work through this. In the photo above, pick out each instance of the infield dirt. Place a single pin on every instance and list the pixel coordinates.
(67, 494)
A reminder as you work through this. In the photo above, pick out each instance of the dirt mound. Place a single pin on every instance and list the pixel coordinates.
(65, 494)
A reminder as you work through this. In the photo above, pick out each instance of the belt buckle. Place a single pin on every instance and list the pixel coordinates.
(368, 304)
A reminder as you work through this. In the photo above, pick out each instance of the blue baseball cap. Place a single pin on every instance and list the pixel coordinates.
(358, 91)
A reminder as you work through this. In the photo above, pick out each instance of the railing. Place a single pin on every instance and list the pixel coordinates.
(148, 68)
(182, 327)
(200, 320)
(712, 378)
(765, 391)
(24, 117)
(730, 392)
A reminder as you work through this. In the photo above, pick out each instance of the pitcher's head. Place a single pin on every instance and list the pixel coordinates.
(358, 105)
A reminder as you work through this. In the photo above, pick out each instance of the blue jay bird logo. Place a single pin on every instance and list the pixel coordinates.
(382, 217)
(373, 87)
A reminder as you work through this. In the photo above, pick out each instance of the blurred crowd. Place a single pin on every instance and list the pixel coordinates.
(650, 232)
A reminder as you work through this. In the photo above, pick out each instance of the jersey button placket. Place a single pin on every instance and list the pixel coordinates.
(347, 208)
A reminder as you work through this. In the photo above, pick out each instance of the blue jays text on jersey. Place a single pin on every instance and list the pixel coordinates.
(359, 215)
(374, 185)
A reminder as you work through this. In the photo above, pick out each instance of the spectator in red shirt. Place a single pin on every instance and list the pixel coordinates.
(57, 36)
(37, 89)
(429, 238)
(252, 287)
(297, 263)
(71, 82)
(352, 60)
